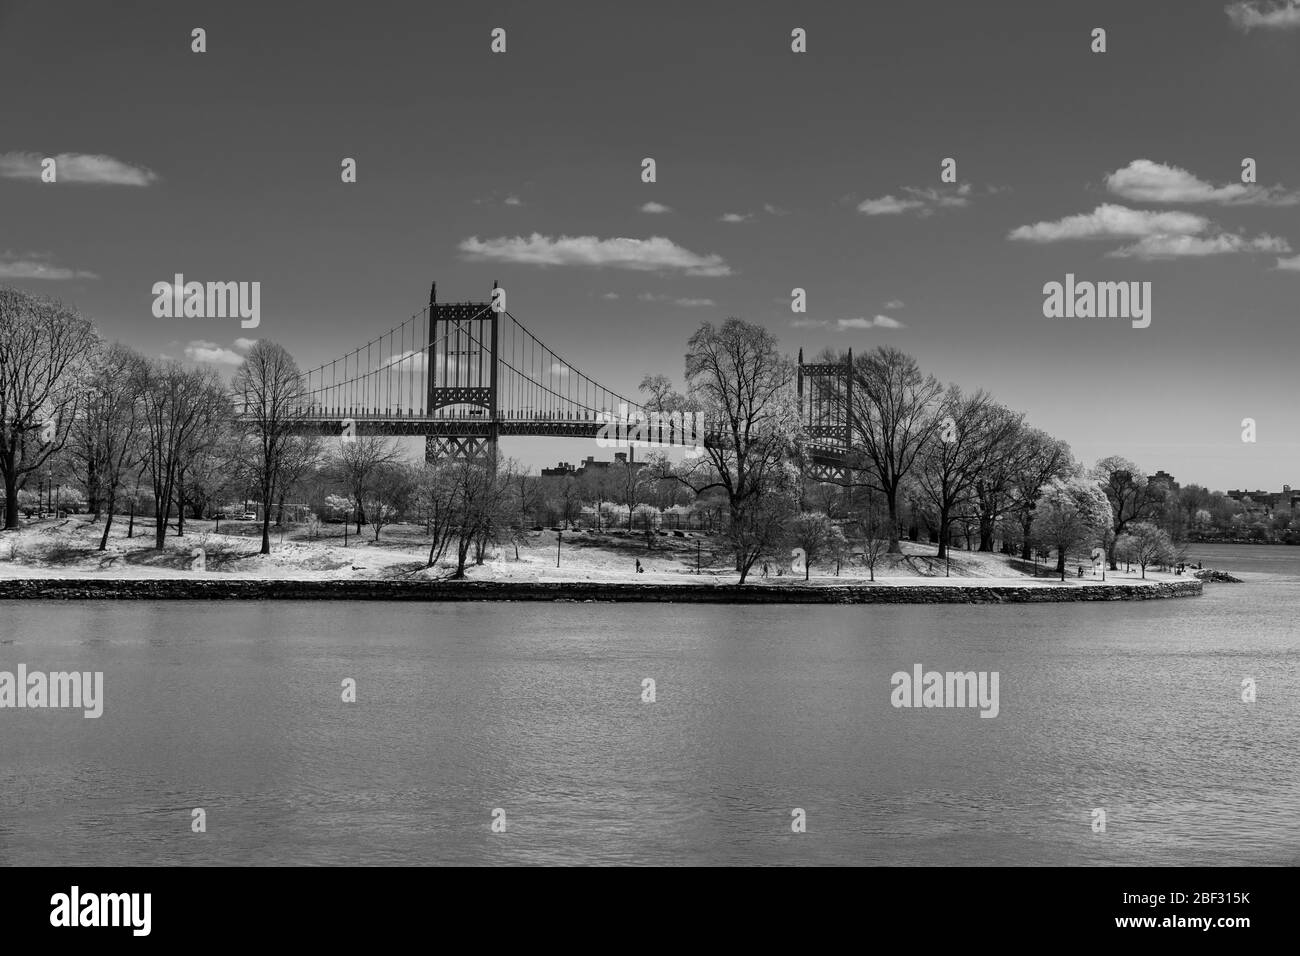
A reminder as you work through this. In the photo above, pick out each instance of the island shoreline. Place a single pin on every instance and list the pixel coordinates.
(182, 589)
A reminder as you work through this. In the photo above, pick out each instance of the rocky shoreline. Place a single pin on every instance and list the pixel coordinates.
(1218, 577)
(189, 589)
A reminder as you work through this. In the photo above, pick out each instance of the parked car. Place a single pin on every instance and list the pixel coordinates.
(249, 516)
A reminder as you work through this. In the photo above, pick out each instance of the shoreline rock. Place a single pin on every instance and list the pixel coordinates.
(186, 589)
(1221, 577)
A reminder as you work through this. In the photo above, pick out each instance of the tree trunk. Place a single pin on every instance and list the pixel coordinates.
(93, 504)
(11, 504)
(1060, 562)
(894, 546)
(160, 522)
(108, 523)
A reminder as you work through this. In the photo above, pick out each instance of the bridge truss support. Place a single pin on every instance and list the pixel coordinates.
(825, 391)
(462, 368)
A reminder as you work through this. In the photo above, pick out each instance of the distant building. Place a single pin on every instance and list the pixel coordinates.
(1267, 501)
(1164, 478)
(564, 468)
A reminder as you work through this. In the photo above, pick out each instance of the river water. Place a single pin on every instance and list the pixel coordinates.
(536, 710)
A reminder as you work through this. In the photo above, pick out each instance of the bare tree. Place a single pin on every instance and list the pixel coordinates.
(892, 415)
(600, 486)
(567, 497)
(838, 547)
(743, 387)
(993, 492)
(437, 495)
(970, 431)
(272, 406)
(1043, 458)
(810, 531)
(478, 499)
(180, 407)
(1146, 544)
(528, 493)
(355, 464)
(388, 492)
(108, 432)
(217, 468)
(629, 482)
(43, 351)
(300, 458)
(873, 532)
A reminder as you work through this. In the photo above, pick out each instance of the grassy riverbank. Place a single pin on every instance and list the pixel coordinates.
(68, 548)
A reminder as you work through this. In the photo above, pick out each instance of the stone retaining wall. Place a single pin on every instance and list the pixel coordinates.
(157, 589)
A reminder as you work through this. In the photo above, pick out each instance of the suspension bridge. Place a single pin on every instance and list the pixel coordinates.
(465, 374)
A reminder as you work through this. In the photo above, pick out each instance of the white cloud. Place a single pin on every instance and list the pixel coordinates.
(611, 295)
(655, 208)
(1267, 14)
(1159, 235)
(772, 210)
(735, 217)
(1195, 247)
(876, 322)
(511, 199)
(683, 302)
(244, 345)
(210, 353)
(888, 206)
(560, 369)
(922, 201)
(641, 255)
(1109, 221)
(413, 361)
(36, 266)
(76, 168)
(845, 325)
(1145, 181)
(1289, 265)
(894, 304)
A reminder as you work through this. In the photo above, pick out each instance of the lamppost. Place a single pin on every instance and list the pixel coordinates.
(559, 537)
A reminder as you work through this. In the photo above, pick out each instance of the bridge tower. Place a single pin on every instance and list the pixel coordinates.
(825, 391)
(461, 369)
